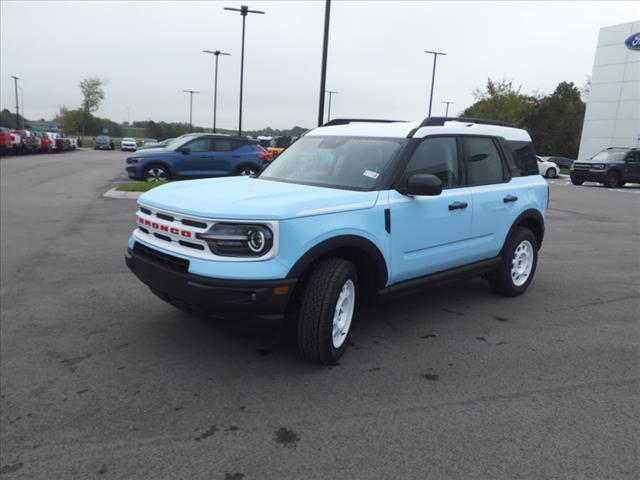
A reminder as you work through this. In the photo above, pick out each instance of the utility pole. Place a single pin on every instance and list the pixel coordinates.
(244, 10)
(15, 82)
(190, 92)
(448, 103)
(323, 68)
(22, 104)
(433, 74)
(217, 53)
(330, 92)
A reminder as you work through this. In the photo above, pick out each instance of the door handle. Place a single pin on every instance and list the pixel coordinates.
(458, 205)
(510, 198)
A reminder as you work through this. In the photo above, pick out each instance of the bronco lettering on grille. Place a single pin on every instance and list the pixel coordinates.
(164, 228)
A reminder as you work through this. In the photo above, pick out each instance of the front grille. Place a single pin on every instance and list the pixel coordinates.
(169, 261)
(584, 167)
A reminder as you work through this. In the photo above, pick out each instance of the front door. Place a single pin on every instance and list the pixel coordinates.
(632, 167)
(429, 234)
(196, 162)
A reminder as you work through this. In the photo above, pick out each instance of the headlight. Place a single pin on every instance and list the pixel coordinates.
(597, 166)
(134, 159)
(238, 240)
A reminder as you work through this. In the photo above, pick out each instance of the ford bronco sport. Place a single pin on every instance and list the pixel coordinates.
(352, 211)
(612, 167)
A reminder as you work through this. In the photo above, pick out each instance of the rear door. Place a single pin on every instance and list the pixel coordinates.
(632, 167)
(495, 197)
(231, 154)
(430, 233)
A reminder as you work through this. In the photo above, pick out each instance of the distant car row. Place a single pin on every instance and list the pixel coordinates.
(127, 144)
(14, 142)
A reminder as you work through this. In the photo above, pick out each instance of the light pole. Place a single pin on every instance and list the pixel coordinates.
(217, 53)
(433, 74)
(330, 92)
(15, 82)
(244, 10)
(448, 103)
(323, 68)
(190, 92)
(22, 105)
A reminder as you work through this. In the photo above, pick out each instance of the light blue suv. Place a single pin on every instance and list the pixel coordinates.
(352, 211)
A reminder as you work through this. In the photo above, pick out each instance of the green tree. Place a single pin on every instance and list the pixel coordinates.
(555, 121)
(92, 95)
(499, 101)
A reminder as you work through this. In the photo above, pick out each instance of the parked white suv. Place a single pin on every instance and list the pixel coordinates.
(128, 144)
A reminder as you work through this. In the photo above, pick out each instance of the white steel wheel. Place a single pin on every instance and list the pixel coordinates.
(522, 263)
(343, 313)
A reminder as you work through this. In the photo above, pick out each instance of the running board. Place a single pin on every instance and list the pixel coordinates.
(438, 278)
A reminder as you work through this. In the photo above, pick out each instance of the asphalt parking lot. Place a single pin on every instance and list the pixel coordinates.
(100, 379)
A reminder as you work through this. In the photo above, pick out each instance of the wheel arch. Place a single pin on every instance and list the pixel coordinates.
(531, 219)
(367, 257)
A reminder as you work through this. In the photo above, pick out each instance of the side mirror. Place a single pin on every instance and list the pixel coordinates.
(184, 149)
(423, 184)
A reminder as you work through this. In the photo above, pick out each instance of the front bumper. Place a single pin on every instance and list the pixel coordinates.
(216, 297)
(588, 175)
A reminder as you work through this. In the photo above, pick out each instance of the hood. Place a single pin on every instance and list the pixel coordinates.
(143, 151)
(245, 198)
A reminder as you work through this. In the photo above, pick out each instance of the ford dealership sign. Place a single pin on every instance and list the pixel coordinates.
(633, 42)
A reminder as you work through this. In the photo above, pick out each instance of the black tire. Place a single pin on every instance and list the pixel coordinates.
(502, 280)
(576, 182)
(621, 182)
(551, 173)
(315, 322)
(612, 179)
(246, 170)
(156, 173)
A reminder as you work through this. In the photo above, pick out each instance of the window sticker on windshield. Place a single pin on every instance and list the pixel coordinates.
(370, 174)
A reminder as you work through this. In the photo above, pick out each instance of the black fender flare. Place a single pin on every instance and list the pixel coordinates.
(528, 217)
(343, 242)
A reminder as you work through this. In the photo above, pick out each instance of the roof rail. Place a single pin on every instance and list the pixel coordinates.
(347, 121)
(439, 121)
(621, 148)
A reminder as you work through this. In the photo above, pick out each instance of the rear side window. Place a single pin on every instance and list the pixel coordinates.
(523, 160)
(226, 144)
(484, 165)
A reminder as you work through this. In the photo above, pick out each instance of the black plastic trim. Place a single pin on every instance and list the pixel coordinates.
(347, 121)
(387, 220)
(343, 241)
(219, 297)
(530, 214)
(454, 274)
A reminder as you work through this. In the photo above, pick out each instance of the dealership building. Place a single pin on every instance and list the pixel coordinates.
(612, 118)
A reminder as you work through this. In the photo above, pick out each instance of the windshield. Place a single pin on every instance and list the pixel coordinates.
(609, 156)
(353, 163)
(128, 140)
(102, 138)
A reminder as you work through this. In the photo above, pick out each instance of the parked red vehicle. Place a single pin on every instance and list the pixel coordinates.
(45, 143)
(6, 145)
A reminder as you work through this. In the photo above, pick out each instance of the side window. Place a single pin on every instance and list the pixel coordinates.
(523, 160)
(436, 156)
(199, 145)
(226, 145)
(484, 165)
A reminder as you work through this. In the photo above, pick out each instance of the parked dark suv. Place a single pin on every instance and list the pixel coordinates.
(103, 142)
(612, 167)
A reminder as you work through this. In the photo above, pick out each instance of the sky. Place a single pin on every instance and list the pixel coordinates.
(148, 52)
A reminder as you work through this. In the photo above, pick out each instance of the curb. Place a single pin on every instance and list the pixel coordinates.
(113, 193)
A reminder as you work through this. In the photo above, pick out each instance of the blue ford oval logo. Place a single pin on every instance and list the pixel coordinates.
(633, 42)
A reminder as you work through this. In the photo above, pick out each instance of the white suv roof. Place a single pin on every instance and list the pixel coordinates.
(416, 130)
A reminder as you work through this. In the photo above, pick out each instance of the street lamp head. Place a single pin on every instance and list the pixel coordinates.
(434, 52)
(244, 9)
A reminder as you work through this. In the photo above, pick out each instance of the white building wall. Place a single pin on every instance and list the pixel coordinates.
(612, 118)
